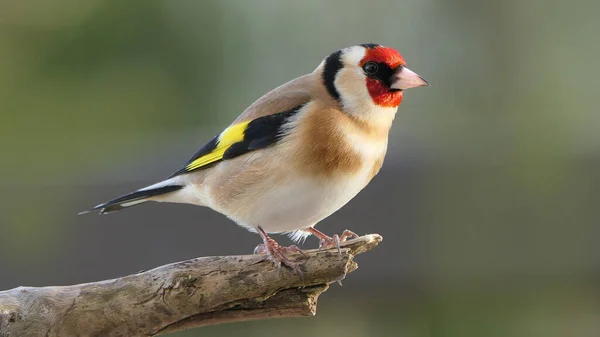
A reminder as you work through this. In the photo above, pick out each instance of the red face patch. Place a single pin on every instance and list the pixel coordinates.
(379, 91)
(389, 56)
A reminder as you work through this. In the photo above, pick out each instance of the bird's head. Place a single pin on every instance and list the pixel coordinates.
(368, 78)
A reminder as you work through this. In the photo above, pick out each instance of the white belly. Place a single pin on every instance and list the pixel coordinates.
(302, 203)
(294, 204)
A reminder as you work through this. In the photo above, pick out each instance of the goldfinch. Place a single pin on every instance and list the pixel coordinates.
(298, 153)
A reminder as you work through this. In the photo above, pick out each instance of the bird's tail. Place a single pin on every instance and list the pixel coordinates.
(135, 198)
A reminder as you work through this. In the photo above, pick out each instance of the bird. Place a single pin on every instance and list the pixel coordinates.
(297, 154)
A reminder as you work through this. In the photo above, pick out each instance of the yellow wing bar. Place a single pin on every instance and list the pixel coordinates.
(228, 137)
(241, 138)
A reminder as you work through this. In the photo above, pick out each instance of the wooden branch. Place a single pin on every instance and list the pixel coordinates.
(178, 296)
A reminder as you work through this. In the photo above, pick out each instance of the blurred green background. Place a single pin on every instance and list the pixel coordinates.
(488, 200)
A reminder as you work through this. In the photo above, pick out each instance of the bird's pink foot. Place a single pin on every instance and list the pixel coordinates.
(326, 241)
(276, 253)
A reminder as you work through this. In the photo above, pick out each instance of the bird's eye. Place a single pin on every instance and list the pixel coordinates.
(371, 68)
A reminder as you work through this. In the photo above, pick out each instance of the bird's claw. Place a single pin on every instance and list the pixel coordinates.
(276, 254)
(336, 240)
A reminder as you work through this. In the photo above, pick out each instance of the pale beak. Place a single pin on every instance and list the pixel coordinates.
(405, 78)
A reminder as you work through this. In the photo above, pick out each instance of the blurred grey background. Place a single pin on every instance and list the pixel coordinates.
(488, 201)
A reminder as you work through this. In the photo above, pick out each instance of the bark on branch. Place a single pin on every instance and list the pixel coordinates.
(178, 296)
